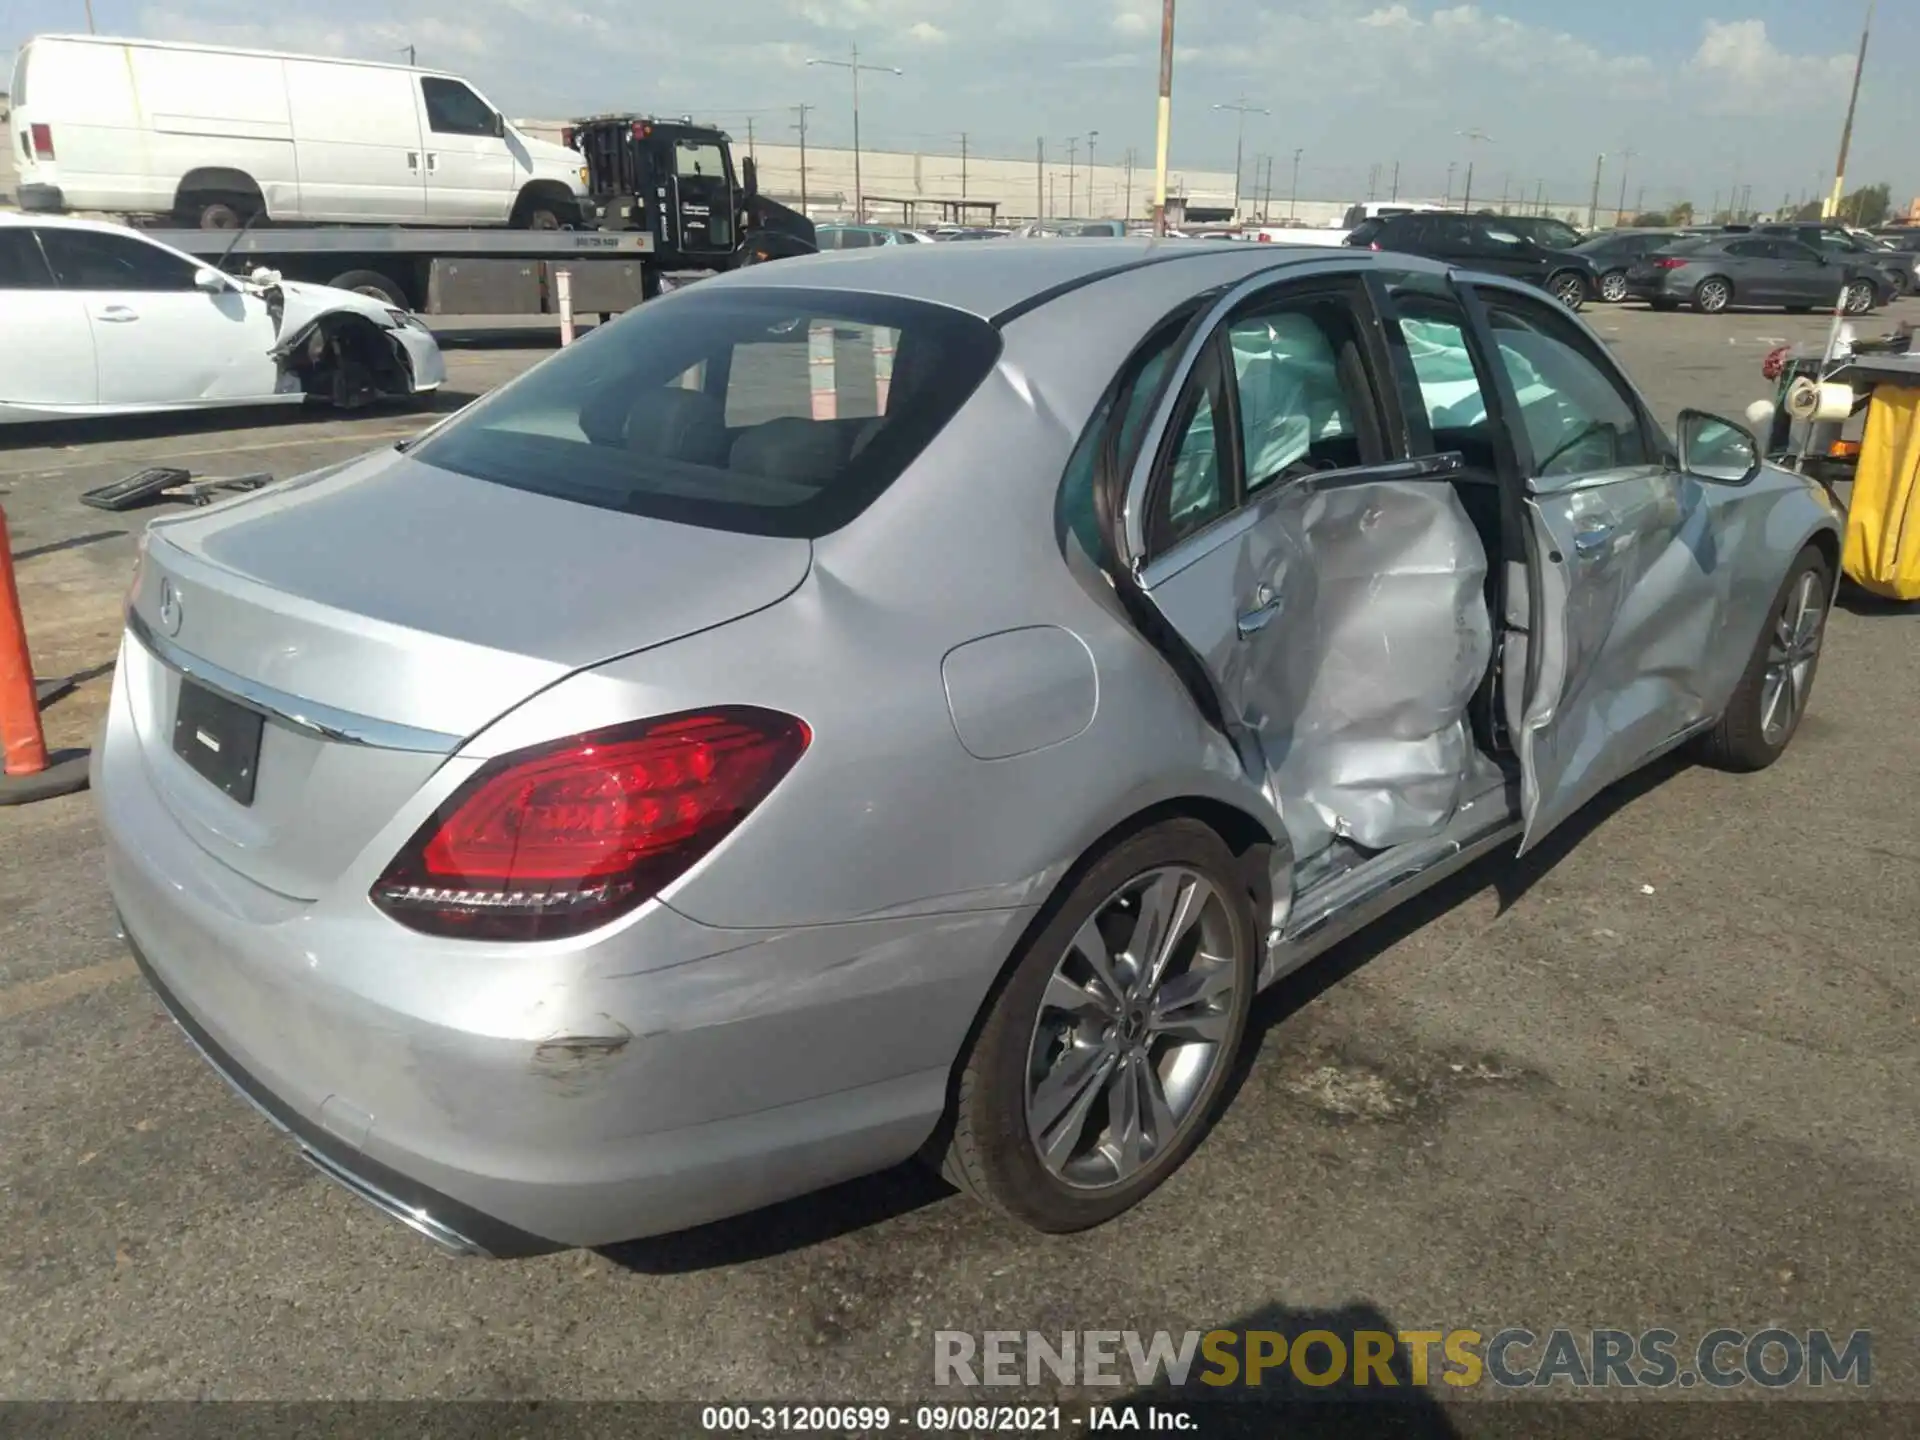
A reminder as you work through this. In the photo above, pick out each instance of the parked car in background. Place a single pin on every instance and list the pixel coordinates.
(1716, 272)
(1899, 268)
(1487, 243)
(1363, 211)
(96, 319)
(1613, 253)
(213, 137)
(692, 796)
(973, 232)
(1069, 229)
(865, 237)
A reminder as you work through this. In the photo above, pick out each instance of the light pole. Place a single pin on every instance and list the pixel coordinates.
(1073, 150)
(1452, 165)
(1473, 138)
(1831, 206)
(1626, 159)
(1242, 109)
(853, 65)
(1164, 121)
(1593, 207)
(1092, 135)
(1293, 196)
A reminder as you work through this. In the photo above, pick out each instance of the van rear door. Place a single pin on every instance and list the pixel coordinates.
(356, 136)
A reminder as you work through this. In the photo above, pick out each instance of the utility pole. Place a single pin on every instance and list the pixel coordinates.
(1266, 205)
(1092, 135)
(408, 49)
(1242, 109)
(1293, 198)
(801, 111)
(90, 18)
(1040, 179)
(1396, 181)
(1593, 209)
(1640, 201)
(1832, 207)
(1127, 214)
(1540, 197)
(1506, 184)
(963, 164)
(1164, 120)
(1073, 149)
(1452, 165)
(854, 66)
(1473, 138)
(1626, 159)
(750, 154)
(1373, 179)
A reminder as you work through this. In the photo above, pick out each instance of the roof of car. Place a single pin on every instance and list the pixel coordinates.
(989, 280)
(63, 222)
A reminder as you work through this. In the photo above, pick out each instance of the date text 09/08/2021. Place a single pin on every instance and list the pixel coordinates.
(881, 1419)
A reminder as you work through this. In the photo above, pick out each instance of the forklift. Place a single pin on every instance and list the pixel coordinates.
(675, 180)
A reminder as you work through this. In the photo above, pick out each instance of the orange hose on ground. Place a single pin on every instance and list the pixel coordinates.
(22, 743)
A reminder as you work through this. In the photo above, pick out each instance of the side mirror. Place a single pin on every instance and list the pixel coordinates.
(499, 126)
(210, 280)
(1717, 449)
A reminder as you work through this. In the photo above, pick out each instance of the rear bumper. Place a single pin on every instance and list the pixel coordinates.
(656, 1077)
(43, 199)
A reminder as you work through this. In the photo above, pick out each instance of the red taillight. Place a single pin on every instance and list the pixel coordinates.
(641, 129)
(1669, 262)
(42, 142)
(555, 840)
(1373, 245)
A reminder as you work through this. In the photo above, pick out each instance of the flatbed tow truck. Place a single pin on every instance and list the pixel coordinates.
(663, 209)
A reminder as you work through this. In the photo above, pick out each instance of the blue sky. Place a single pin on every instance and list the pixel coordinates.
(1710, 94)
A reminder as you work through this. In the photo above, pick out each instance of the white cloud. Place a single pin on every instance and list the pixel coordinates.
(1746, 73)
(927, 33)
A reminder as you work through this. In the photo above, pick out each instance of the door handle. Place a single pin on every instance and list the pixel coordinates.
(433, 163)
(413, 159)
(118, 314)
(1593, 536)
(1266, 606)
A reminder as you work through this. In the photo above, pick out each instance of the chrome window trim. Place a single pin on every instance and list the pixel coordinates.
(308, 716)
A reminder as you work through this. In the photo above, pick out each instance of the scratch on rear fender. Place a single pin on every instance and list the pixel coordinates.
(572, 1063)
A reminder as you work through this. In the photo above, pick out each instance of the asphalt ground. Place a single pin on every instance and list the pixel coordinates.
(1661, 1073)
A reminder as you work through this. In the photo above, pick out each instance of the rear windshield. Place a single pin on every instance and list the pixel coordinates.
(763, 411)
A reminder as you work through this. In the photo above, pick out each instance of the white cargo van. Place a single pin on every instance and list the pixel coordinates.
(210, 137)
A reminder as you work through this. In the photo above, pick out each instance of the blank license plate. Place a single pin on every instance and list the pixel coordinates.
(218, 738)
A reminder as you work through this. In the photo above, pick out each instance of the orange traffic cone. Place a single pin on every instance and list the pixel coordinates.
(28, 772)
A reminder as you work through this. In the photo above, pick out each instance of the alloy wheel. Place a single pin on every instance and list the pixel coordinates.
(1132, 1029)
(1613, 288)
(1570, 291)
(1792, 652)
(1859, 298)
(1713, 296)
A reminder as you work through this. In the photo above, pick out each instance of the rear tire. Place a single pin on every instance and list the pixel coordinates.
(1771, 699)
(1124, 1077)
(1712, 295)
(1569, 287)
(1859, 298)
(373, 285)
(229, 213)
(1613, 286)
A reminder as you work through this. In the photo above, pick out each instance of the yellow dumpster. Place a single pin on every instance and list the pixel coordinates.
(1883, 526)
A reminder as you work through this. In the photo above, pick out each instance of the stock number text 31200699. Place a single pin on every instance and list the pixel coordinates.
(878, 1419)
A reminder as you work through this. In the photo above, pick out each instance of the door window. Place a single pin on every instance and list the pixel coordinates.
(1577, 415)
(1197, 488)
(21, 267)
(698, 157)
(1491, 238)
(95, 260)
(1294, 414)
(1450, 395)
(1757, 250)
(453, 109)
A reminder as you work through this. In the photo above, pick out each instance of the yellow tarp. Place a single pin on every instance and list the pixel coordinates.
(1883, 530)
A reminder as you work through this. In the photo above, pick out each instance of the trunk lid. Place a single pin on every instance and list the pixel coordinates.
(406, 607)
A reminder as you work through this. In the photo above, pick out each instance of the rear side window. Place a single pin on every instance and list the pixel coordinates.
(698, 157)
(95, 260)
(21, 267)
(763, 411)
(453, 109)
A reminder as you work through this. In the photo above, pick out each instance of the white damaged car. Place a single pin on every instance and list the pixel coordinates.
(96, 319)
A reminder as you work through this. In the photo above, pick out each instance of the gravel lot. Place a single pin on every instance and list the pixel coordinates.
(1661, 1073)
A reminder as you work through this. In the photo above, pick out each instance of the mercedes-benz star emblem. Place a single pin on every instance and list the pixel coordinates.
(169, 608)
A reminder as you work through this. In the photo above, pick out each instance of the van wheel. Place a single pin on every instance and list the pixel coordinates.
(1107, 1049)
(373, 285)
(218, 214)
(536, 211)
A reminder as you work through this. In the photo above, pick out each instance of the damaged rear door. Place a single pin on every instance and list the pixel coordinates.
(1329, 587)
(1628, 593)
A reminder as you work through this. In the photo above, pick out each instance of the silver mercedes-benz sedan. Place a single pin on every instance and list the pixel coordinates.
(907, 702)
